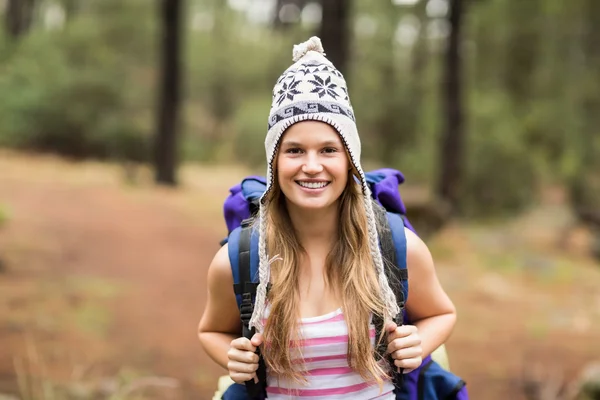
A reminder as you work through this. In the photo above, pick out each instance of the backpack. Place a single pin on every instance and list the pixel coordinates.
(428, 382)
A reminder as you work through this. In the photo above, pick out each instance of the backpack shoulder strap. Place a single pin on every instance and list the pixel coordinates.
(243, 257)
(398, 236)
(392, 241)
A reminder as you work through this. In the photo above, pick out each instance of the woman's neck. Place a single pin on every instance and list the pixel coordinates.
(315, 228)
(316, 231)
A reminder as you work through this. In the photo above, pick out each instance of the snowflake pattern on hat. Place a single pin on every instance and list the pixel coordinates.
(323, 87)
(288, 91)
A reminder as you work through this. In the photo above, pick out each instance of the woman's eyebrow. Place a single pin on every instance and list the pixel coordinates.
(289, 143)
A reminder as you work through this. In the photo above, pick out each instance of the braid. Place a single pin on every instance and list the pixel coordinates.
(263, 273)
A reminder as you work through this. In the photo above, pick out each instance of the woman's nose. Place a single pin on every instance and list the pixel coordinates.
(312, 165)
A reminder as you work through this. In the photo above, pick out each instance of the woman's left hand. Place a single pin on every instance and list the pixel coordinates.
(404, 345)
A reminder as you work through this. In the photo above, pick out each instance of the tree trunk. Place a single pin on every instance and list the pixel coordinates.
(522, 50)
(392, 124)
(453, 137)
(335, 32)
(71, 8)
(221, 94)
(165, 146)
(19, 15)
(419, 57)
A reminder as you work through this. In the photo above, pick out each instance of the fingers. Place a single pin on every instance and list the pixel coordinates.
(413, 340)
(410, 352)
(238, 377)
(401, 331)
(404, 346)
(243, 351)
(390, 327)
(241, 372)
(405, 330)
(257, 339)
(243, 361)
(242, 368)
(243, 344)
(408, 364)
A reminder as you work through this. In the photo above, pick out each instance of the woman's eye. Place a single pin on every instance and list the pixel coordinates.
(293, 150)
(330, 150)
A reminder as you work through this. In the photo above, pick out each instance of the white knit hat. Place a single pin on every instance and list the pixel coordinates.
(313, 89)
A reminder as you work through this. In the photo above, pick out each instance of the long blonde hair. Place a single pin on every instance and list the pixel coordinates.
(350, 271)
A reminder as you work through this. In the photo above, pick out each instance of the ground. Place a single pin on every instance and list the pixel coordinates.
(102, 285)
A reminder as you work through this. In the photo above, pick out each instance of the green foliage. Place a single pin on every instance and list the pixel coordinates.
(67, 95)
(251, 129)
(501, 172)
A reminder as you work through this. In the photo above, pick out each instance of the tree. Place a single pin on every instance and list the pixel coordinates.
(392, 122)
(452, 143)
(165, 145)
(335, 32)
(71, 8)
(19, 15)
(419, 57)
(522, 50)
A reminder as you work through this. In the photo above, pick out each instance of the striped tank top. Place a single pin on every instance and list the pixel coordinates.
(329, 376)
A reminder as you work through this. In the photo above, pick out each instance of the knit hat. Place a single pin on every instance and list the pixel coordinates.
(313, 89)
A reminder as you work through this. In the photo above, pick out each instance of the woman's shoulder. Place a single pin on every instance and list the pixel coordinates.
(417, 252)
(220, 267)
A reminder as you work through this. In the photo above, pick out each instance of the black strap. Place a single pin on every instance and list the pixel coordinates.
(247, 306)
(245, 285)
(457, 388)
(247, 289)
(395, 276)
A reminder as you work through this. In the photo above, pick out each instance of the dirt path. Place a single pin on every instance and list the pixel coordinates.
(108, 281)
(149, 247)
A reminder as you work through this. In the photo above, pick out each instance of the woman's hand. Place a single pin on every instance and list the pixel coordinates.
(243, 361)
(404, 345)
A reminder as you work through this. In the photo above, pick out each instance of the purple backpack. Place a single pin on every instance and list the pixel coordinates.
(428, 382)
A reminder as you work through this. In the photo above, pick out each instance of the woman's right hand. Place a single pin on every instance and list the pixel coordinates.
(243, 361)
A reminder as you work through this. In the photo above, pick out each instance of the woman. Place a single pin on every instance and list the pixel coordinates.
(319, 251)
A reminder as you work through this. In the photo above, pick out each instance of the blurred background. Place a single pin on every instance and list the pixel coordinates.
(123, 124)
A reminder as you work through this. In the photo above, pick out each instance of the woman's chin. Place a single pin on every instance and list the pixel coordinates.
(311, 205)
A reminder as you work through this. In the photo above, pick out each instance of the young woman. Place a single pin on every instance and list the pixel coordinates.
(319, 250)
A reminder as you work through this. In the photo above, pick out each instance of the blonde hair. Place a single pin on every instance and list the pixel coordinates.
(349, 271)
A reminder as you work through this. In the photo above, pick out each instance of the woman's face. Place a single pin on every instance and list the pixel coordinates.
(312, 165)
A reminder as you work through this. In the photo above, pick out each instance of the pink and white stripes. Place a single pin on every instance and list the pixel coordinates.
(324, 348)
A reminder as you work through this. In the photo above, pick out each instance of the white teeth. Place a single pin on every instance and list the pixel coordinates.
(313, 185)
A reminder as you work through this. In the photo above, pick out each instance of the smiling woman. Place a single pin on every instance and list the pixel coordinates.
(324, 311)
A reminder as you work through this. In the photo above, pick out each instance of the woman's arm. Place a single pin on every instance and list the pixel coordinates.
(428, 306)
(220, 323)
